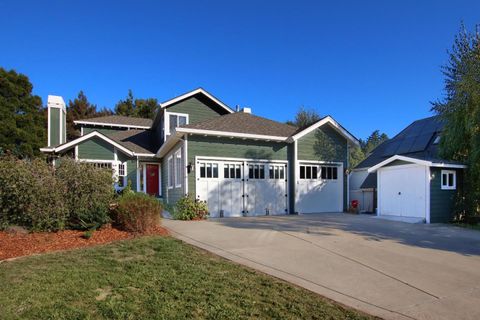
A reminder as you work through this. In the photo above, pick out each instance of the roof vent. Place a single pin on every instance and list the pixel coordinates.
(246, 110)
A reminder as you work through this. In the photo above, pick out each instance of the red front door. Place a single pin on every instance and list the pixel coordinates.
(152, 179)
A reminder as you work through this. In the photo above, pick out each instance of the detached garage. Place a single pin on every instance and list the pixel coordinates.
(416, 190)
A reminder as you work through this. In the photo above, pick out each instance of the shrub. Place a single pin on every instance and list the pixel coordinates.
(30, 196)
(137, 212)
(88, 234)
(187, 208)
(88, 193)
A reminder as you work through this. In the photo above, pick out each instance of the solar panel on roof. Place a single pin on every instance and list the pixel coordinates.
(405, 145)
(421, 142)
(392, 147)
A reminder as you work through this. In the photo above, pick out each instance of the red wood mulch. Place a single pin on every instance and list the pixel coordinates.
(17, 244)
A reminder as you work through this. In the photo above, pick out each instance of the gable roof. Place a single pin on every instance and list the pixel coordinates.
(415, 141)
(241, 124)
(192, 93)
(118, 121)
(325, 120)
(130, 142)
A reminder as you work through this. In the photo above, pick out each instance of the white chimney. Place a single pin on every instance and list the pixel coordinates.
(57, 120)
(246, 110)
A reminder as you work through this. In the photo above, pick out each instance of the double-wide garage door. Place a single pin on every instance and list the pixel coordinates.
(242, 188)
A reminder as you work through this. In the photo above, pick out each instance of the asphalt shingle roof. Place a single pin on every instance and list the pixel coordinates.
(241, 122)
(138, 141)
(121, 120)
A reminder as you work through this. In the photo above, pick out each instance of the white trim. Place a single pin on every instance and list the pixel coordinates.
(416, 161)
(170, 183)
(110, 124)
(192, 93)
(238, 159)
(76, 152)
(96, 161)
(448, 172)
(81, 131)
(49, 138)
(231, 134)
(427, 194)
(296, 173)
(147, 155)
(88, 136)
(185, 164)
(177, 174)
(320, 123)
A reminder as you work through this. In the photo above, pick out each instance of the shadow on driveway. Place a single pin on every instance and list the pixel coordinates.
(432, 236)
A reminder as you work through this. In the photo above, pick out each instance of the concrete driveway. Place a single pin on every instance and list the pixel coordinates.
(389, 269)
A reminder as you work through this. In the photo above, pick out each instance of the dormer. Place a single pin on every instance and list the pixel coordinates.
(192, 107)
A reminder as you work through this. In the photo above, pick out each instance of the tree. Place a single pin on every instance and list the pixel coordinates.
(131, 107)
(81, 108)
(460, 109)
(304, 118)
(126, 107)
(374, 140)
(22, 116)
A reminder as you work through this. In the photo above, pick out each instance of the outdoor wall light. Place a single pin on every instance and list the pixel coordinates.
(190, 167)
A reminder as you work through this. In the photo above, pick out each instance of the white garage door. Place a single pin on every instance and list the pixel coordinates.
(319, 188)
(236, 188)
(402, 191)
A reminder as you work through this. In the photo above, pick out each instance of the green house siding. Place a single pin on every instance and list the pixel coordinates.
(231, 148)
(131, 168)
(54, 126)
(442, 201)
(96, 149)
(101, 130)
(310, 148)
(291, 177)
(198, 109)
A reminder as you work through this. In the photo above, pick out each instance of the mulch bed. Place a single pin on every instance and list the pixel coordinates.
(18, 244)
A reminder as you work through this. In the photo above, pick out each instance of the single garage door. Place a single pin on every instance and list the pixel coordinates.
(240, 188)
(402, 191)
(319, 188)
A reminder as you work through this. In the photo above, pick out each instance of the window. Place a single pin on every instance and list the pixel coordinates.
(170, 175)
(449, 180)
(437, 140)
(175, 120)
(277, 172)
(256, 171)
(208, 170)
(232, 171)
(178, 169)
(101, 165)
(308, 172)
(122, 174)
(329, 173)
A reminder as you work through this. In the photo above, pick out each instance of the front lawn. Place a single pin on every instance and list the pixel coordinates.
(151, 278)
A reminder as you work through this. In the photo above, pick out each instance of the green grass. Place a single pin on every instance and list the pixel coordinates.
(151, 278)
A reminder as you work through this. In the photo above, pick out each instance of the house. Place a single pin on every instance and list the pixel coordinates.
(405, 178)
(240, 163)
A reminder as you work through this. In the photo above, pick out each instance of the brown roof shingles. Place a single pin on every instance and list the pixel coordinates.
(241, 122)
(138, 141)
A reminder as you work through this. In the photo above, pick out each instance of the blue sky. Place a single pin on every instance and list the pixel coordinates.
(369, 64)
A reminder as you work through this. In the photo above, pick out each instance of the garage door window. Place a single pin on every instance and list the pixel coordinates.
(232, 171)
(256, 171)
(329, 173)
(277, 172)
(308, 172)
(449, 180)
(208, 170)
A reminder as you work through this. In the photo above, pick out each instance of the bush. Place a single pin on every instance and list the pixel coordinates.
(137, 212)
(88, 193)
(188, 208)
(30, 195)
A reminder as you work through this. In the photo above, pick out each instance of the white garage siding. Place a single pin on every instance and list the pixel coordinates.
(319, 187)
(238, 187)
(404, 191)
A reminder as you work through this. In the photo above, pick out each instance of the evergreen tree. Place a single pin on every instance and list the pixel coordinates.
(126, 107)
(145, 108)
(460, 140)
(304, 118)
(81, 108)
(22, 116)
